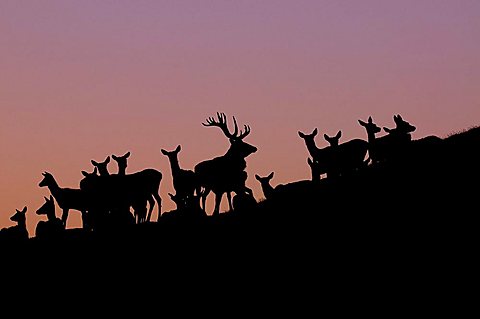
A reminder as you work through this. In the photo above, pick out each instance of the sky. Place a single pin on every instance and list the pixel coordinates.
(82, 80)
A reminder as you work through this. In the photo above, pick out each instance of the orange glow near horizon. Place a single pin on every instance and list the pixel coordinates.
(81, 81)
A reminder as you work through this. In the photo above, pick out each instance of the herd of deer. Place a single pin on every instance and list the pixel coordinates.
(104, 198)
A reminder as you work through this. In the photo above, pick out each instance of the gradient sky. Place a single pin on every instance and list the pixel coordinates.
(81, 80)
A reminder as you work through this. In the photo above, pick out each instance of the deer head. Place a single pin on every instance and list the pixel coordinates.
(371, 127)
(102, 167)
(171, 153)
(19, 215)
(333, 140)
(47, 179)
(237, 145)
(121, 161)
(402, 126)
(47, 207)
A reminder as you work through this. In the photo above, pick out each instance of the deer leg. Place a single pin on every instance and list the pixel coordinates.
(229, 198)
(204, 199)
(151, 204)
(218, 200)
(64, 217)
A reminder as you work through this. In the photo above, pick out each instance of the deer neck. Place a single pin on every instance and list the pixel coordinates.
(311, 146)
(22, 224)
(267, 189)
(371, 137)
(122, 171)
(54, 188)
(51, 216)
(174, 165)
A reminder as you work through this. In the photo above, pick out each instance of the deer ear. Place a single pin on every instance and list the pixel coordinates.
(370, 120)
(127, 154)
(85, 173)
(114, 157)
(326, 137)
(178, 149)
(270, 176)
(107, 160)
(315, 132)
(362, 123)
(94, 163)
(164, 152)
(257, 177)
(302, 135)
(339, 134)
(24, 210)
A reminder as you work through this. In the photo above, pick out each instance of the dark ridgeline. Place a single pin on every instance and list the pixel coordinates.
(409, 214)
(226, 173)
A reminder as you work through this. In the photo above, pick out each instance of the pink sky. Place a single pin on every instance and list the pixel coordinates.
(80, 80)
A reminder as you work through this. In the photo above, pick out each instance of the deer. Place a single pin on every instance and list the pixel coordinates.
(53, 226)
(265, 184)
(336, 159)
(67, 198)
(184, 181)
(18, 232)
(389, 146)
(225, 174)
(117, 192)
(140, 209)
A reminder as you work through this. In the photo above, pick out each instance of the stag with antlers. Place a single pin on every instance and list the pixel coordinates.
(226, 173)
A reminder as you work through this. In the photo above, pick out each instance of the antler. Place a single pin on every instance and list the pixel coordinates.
(221, 122)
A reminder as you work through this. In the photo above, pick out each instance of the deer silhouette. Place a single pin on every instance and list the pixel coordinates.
(314, 169)
(140, 209)
(18, 232)
(118, 193)
(336, 159)
(67, 198)
(121, 163)
(333, 140)
(225, 174)
(102, 166)
(389, 146)
(184, 181)
(265, 184)
(51, 228)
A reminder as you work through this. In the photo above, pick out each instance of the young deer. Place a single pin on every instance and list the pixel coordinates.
(184, 181)
(67, 198)
(225, 174)
(51, 228)
(18, 232)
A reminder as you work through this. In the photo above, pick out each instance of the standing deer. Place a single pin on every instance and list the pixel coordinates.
(336, 159)
(140, 208)
(184, 181)
(225, 174)
(67, 198)
(51, 228)
(119, 193)
(18, 232)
